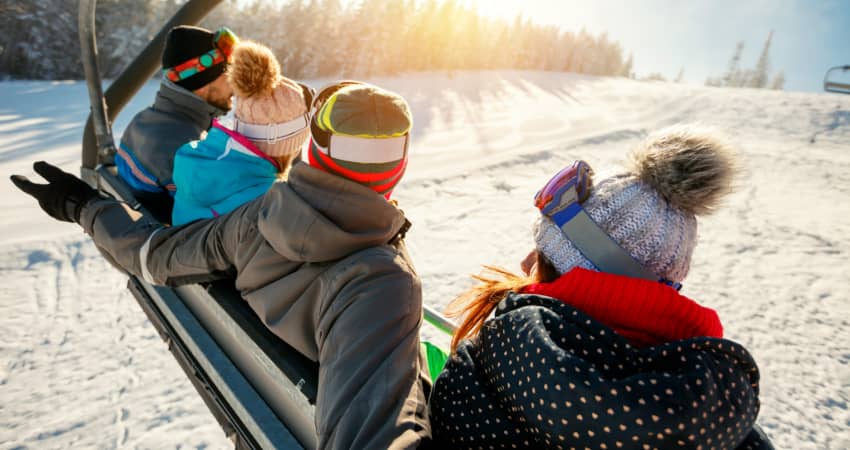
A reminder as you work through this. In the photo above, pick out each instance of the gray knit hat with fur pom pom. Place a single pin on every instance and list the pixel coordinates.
(650, 209)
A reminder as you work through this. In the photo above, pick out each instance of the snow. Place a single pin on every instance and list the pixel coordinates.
(82, 367)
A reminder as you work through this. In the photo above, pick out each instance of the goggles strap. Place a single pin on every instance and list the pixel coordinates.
(194, 66)
(597, 246)
(273, 132)
(223, 42)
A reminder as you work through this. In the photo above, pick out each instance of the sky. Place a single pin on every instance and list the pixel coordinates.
(699, 36)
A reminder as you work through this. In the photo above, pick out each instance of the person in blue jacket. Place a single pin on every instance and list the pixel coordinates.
(194, 91)
(239, 159)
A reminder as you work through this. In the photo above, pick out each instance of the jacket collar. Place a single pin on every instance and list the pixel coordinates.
(644, 312)
(172, 98)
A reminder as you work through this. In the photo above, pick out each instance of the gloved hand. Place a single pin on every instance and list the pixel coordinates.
(63, 197)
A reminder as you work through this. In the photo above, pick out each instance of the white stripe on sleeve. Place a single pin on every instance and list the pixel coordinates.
(143, 257)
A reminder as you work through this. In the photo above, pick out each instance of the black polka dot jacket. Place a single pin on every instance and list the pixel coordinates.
(541, 374)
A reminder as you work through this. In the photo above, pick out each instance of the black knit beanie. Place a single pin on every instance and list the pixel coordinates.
(184, 43)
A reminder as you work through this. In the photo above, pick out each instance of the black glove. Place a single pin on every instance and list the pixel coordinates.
(63, 197)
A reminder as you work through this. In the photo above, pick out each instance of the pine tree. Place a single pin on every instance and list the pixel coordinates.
(423, 33)
(757, 77)
(41, 40)
(311, 38)
(654, 76)
(12, 23)
(778, 82)
(124, 28)
(329, 62)
(733, 76)
(681, 76)
(626, 69)
(760, 74)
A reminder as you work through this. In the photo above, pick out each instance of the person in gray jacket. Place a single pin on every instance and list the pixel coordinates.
(194, 91)
(320, 258)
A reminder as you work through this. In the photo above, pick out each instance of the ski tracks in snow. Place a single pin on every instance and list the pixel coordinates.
(773, 261)
(81, 366)
(783, 293)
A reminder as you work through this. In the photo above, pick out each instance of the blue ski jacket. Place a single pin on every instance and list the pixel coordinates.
(219, 173)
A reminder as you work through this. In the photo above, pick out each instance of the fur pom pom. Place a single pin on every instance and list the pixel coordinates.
(692, 168)
(254, 70)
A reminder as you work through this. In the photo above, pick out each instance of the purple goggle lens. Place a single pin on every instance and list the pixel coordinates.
(561, 199)
(575, 181)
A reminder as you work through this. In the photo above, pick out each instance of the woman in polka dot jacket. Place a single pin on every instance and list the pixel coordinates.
(579, 355)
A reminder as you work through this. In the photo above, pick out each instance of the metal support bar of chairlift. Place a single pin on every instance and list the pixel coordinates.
(231, 396)
(254, 425)
(835, 86)
(125, 86)
(438, 320)
(98, 120)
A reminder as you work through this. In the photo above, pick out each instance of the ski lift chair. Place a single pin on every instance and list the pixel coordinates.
(832, 84)
(260, 390)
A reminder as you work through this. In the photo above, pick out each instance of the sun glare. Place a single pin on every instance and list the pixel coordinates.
(541, 11)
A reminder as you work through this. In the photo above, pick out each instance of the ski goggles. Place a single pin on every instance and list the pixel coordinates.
(224, 40)
(561, 199)
(365, 150)
(276, 132)
(272, 132)
(356, 149)
(376, 163)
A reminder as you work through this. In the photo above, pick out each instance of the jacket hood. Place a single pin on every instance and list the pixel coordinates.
(317, 217)
(549, 374)
(217, 168)
(644, 312)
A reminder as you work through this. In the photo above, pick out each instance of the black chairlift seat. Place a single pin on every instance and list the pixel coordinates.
(261, 390)
(831, 84)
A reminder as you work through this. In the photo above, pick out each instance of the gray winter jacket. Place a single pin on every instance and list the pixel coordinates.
(145, 156)
(318, 259)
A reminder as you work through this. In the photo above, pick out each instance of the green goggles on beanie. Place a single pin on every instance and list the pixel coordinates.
(360, 132)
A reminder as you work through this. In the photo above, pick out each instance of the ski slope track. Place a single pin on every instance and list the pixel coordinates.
(81, 367)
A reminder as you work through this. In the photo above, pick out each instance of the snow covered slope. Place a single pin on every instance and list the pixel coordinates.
(81, 367)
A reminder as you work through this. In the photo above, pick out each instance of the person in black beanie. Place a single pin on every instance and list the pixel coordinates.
(194, 91)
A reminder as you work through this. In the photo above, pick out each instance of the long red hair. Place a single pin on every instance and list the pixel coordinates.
(476, 304)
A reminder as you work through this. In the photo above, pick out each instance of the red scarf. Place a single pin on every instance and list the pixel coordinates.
(642, 311)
